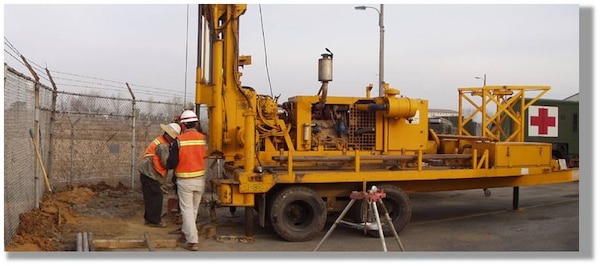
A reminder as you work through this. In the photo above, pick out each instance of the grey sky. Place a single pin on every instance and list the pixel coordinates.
(430, 50)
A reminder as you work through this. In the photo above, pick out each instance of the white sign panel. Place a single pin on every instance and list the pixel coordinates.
(543, 121)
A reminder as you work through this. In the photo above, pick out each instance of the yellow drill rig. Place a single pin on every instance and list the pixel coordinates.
(293, 163)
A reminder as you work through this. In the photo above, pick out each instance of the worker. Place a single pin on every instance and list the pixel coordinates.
(186, 157)
(177, 119)
(153, 174)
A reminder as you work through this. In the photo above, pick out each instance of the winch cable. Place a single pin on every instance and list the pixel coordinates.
(262, 27)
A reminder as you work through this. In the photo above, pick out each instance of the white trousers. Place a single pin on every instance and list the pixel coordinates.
(189, 191)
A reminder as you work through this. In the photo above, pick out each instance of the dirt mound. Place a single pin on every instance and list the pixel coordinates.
(53, 227)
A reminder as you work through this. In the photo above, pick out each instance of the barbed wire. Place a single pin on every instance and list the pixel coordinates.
(15, 57)
(113, 81)
(19, 58)
(12, 47)
(104, 85)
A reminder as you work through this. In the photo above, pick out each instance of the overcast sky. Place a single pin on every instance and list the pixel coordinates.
(430, 50)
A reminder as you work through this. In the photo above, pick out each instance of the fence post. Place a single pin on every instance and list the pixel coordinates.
(36, 129)
(52, 121)
(132, 136)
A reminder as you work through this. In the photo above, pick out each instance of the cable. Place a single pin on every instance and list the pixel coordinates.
(108, 80)
(82, 76)
(120, 86)
(262, 27)
(20, 60)
(118, 89)
(7, 42)
(15, 57)
(42, 74)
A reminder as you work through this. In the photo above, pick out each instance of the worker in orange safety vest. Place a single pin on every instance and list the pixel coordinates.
(153, 174)
(186, 157)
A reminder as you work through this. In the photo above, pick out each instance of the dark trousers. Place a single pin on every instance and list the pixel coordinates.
(153, 199)
(174, 180)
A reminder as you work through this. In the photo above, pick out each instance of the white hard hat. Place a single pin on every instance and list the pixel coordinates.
(188, 116)
(172, 129)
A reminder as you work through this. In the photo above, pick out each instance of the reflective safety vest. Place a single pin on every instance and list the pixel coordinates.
(151, 152)
(192, 147)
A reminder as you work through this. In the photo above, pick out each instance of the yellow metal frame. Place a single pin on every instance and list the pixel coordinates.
(510, 105)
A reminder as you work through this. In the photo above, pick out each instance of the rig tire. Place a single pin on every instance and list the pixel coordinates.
(297, 213)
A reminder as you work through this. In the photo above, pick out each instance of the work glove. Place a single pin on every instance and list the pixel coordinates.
(164, 188)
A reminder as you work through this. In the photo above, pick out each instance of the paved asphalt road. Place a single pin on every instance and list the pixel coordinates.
(547, 220)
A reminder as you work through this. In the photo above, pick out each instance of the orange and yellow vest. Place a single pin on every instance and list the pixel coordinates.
(192, 147)
(151, 152)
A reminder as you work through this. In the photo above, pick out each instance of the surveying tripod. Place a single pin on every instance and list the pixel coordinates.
(374, 196)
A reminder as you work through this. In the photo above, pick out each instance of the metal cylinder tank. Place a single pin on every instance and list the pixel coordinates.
(326, 68)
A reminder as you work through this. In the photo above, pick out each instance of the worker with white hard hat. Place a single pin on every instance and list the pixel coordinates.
(186, 157)
(153, 173)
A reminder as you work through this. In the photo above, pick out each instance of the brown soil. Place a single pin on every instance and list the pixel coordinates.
(101, 209)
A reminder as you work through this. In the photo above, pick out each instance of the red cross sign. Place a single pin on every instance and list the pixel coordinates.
(543, 121)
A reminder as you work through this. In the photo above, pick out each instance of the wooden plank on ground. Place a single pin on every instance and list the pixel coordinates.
(132, 243)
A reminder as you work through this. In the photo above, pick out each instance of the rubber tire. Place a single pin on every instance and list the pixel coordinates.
(297, 213)
(398, 206)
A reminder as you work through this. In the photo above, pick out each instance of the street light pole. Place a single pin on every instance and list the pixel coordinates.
(381, 31)
(484, 78)
(381, 42)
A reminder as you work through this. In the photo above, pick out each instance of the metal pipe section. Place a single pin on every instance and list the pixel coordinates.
(85, 240)
(230, 47)
(79, 242)
(376, 214)
(216, 120)
(249, 216)
(199, 44)
(370, 107)
(249, 136)
(199, 70)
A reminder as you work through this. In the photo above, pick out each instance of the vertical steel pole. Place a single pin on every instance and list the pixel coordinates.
(36, 129)
(52, 122)
(381, 41)
(132, 136)
(515, 198)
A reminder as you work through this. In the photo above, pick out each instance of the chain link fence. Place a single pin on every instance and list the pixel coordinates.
(83, 139)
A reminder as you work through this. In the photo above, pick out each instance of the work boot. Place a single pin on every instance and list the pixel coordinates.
(161, 224)
(175, 232)
(191, 246)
